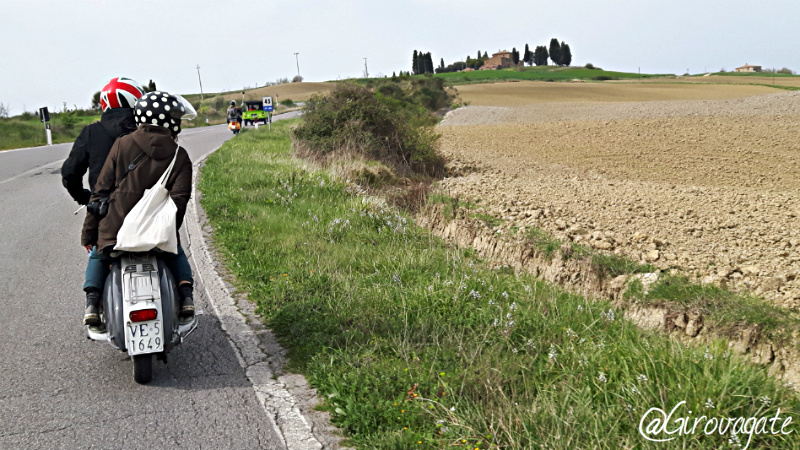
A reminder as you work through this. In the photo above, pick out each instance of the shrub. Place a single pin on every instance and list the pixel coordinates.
(289, 103)
(297, 79)
(388, 125)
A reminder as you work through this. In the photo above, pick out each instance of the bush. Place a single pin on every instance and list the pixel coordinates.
(289, 103)
(389, 125)
(297, 79)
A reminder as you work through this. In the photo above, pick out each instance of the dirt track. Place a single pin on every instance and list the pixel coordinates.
(708, 186)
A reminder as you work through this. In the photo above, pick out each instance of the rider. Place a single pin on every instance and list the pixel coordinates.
(234, 113)
(89, 152)
(153, 144)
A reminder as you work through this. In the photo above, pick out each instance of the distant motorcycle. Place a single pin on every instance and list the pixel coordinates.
(234, 125)
(140, 312)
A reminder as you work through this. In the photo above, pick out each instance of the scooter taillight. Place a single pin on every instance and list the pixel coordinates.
(143, 315)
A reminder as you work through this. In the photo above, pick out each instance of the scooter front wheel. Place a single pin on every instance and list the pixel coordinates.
(143, 368)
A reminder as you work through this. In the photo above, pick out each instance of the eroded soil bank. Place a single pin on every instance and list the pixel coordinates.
(705, 188)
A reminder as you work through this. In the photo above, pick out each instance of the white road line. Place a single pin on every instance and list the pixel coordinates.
(279, 404)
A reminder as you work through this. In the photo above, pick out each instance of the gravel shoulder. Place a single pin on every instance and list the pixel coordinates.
(706, 186)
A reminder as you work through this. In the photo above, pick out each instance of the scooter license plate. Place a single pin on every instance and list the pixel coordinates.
(145, 337)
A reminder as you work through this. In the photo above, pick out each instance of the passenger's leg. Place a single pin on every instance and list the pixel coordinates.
(182, 271)
(96, 273)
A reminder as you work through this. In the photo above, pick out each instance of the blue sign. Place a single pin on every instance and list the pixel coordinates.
(268, 108)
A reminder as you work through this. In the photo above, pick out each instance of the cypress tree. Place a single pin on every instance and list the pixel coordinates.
(555, 51)
(415, 63)
(566, 54)
(428, 63)
(528, 56)
(540, 55)
(515, 55)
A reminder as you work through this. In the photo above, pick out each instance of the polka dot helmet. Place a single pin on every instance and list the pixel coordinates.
(120, 92)
(163, 109)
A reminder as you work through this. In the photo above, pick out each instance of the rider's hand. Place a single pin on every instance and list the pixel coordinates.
(88, 248)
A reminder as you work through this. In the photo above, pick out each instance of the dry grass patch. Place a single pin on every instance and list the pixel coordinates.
(298, 92)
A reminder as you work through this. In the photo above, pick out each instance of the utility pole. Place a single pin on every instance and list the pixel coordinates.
(366, 72)
(201, 82)
(297, 60)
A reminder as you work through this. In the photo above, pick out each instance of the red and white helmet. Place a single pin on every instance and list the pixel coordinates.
(120, 93)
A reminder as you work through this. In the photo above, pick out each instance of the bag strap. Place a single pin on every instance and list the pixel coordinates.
(163, 180)
(131, 166)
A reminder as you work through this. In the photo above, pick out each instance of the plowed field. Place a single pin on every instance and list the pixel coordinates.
(702, 178)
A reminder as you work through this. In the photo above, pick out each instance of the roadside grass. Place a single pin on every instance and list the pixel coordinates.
(19, 132)
(414, 344)
(726, 311)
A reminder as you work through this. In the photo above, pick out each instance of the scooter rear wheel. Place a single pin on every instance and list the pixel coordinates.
(143, 368)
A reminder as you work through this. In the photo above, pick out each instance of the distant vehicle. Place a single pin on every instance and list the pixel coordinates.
(253, 112)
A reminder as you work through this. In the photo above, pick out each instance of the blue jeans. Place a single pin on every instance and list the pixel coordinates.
(97, 270)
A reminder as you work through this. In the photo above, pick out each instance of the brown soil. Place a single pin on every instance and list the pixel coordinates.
(707, 184)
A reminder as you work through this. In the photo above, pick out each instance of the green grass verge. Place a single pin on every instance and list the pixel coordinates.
(416, 345)
(18, 132)
(726, 311)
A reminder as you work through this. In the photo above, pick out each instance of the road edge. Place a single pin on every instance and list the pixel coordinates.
(280, 405)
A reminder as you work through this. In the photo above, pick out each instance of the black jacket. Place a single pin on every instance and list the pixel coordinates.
(91, 149)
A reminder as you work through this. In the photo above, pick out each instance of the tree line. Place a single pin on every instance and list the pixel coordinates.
(559, 53)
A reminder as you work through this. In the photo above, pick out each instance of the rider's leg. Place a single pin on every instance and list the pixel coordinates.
(96, 273)
(182, 271)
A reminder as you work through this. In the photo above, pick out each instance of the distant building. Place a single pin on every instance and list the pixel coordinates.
(748, 68)
(499, 60)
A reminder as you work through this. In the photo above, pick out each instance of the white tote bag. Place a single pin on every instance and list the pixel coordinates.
(152, 222)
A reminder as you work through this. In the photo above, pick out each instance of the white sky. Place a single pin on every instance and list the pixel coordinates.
(58, 51)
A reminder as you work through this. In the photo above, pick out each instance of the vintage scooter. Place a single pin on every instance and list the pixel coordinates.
(234, 125)
(140, 312)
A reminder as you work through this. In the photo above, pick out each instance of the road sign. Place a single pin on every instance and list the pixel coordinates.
(267, 101)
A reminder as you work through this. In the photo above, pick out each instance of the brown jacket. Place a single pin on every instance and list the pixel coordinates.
(159, 146)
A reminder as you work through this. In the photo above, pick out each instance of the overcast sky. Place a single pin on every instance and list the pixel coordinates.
(56, 51)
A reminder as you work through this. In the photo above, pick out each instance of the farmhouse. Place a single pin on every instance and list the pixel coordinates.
(748, 68)
(499, 60)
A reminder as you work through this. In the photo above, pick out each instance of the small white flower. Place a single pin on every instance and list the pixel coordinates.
(513, 306)
(553, 353)
(504, 294)
(514, 350)
(634, 390)
(708, 355)
(452, 408)
(580, 307)
(602, 378)
(765, 400)
(641, 378)
(570, 333)
(709, 404)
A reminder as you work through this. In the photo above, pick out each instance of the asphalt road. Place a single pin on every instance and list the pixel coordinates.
(59, 390)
